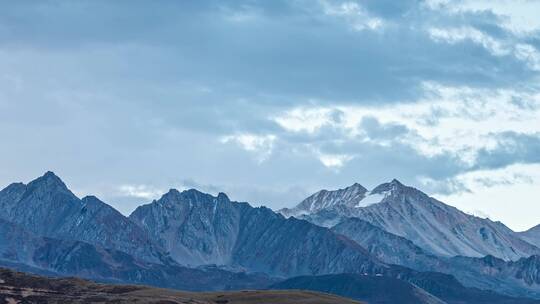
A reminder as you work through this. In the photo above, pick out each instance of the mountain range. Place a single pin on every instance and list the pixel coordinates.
(197, 229)
(405, 211)
(393, 235)
(402, 225)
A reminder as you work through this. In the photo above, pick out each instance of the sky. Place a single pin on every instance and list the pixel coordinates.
(270, 101)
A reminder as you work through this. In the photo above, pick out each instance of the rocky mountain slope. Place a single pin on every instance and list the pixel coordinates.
(20, 249)
(387, 247)
(519, 278)
(198, 228)
(46, 207)
(532, 235)
(437, 228)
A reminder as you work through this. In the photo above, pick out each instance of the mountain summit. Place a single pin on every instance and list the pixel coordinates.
(47, 208)
(354, 196)
(324, 199)
(438, 228)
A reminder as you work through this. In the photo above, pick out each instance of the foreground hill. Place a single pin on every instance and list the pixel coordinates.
(16, 287)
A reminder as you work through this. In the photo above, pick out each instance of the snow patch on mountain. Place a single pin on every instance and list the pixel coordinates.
(372, 198)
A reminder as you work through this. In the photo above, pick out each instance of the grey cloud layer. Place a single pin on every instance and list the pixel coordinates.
(132, 92)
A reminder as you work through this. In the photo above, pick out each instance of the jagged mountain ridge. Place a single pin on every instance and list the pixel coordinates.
(324, 199)
(438, 228)
(193, 227)
(46, 207)
(198, 228)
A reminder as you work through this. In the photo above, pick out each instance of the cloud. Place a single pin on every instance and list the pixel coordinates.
(267, 99)
(521, 51)
(502, 193)
(516, 15)
(528, 54)
(308, 120)
(262, 145)
(140, 191)
(459, 121)
(334, 161)
(354, 14)
(455, 35)
(510, 148)
(374, 130)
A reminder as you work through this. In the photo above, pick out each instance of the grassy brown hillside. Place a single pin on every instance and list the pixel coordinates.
(17, 287)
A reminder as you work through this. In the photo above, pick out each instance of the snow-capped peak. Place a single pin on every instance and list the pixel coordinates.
(386, 187)
(325, 199)
(379, 193)
(354, 196)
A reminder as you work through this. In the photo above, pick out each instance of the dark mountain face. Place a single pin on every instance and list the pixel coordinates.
(528, 269)
(387, 247)
(197, 229)
(46, 207)
(267, 242)
(20, 249)
(10, 194)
